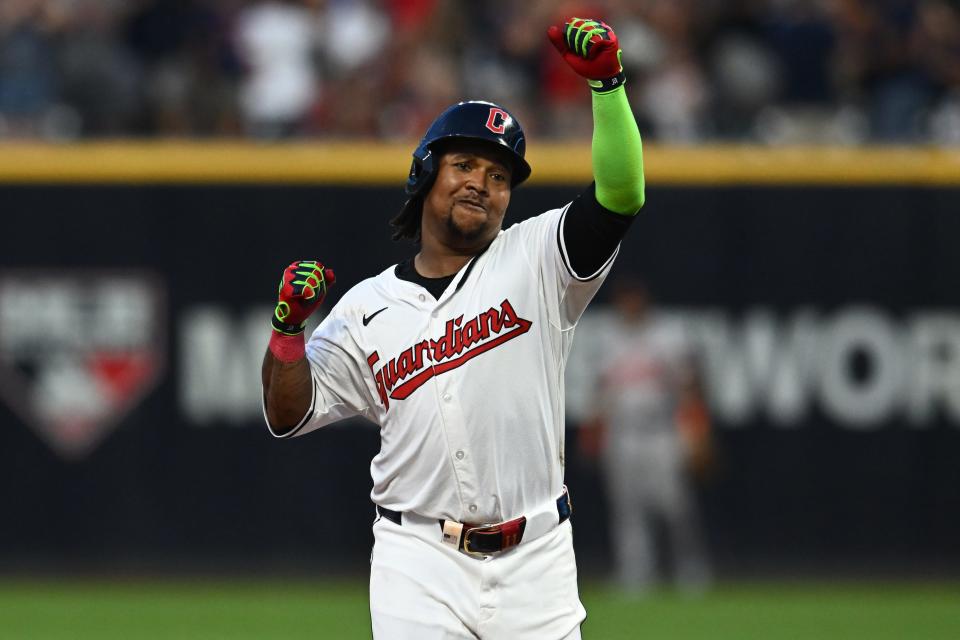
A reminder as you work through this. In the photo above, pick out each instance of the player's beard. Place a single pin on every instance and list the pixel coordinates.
(463, 235)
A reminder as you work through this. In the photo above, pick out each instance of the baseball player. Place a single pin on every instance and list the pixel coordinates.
(649, 426)
(458, 355)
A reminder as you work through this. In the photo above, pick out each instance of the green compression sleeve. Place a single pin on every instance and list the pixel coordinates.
(617, 153)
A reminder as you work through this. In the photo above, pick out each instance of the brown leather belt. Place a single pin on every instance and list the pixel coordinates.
(484, 539)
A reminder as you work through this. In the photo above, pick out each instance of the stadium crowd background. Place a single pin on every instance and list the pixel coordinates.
(766, 71)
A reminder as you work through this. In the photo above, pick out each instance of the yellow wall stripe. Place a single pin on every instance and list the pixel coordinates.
(387, 164)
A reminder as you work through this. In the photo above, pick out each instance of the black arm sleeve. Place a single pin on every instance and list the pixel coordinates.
(591, 233)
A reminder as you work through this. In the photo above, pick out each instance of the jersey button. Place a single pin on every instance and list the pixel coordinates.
(422, 297)
(460, 454)
(446, 397)
(473, 508)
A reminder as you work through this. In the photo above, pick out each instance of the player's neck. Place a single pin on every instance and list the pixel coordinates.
(437, 264)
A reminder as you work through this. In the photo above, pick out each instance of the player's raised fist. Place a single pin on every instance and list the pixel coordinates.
(302, 288)
(590, 47)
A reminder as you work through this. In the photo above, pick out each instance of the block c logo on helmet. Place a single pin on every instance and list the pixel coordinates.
(497, 120)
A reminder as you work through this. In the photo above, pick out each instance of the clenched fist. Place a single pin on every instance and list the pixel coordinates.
(302, 289)
(591, 49)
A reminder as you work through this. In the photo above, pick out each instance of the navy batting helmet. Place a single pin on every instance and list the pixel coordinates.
(472, 120)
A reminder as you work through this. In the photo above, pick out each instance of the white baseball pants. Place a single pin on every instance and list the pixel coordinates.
(421, 589)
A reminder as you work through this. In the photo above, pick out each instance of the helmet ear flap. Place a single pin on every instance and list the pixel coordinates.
(422, 171)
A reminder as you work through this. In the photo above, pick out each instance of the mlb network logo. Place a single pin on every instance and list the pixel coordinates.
(78, 351)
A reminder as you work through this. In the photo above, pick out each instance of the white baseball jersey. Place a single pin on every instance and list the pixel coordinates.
(467, 389)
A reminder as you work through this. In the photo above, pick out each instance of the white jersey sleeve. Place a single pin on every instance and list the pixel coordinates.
(565, 291)
(338, 383)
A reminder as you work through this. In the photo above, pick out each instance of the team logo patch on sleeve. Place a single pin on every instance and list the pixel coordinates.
(398, 378)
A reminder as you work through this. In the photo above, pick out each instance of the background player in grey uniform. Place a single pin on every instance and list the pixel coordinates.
(458, 354)
(650, 429)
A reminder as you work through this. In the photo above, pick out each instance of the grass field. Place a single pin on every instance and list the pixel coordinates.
(241, 610)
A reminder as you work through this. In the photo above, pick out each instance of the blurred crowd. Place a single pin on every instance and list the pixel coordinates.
(767, 71)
